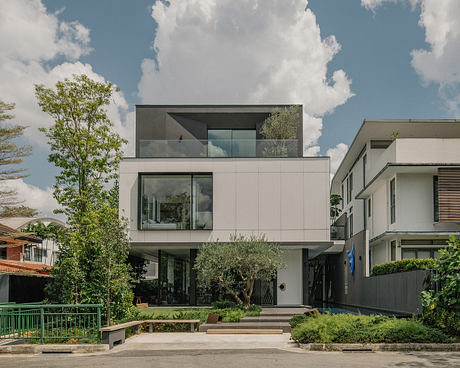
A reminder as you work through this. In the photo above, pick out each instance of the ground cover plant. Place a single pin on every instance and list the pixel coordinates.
(346, 328)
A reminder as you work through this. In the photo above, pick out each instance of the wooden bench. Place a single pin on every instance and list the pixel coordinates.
(116, 334)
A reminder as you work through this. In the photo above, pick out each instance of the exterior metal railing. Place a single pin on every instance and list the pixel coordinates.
(194, 148)
(50, 321)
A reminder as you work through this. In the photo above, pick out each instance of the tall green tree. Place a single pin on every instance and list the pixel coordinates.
(335, 200)
(11, 155)
(92, 265)
(82, 140)
(237, 264)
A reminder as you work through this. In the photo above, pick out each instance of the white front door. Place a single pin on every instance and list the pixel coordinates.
(289, 280)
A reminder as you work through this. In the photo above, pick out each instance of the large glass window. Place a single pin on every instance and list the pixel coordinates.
(176, 202)
(231, 143)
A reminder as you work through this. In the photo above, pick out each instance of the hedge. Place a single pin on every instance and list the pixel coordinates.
(403, 266)
(347, 329)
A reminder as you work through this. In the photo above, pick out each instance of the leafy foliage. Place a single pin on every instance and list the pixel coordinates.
(277, 129)
(92, 266)
(236, 265)
(83, 143)
(10, 156)
(335, 202)
(442, 307)
(281, 124)
(223, 304)
(403, 265)
(50, 231)
(346, 328)
(18, 211)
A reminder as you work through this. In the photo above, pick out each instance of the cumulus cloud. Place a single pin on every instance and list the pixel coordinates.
(31, 44)
(440, 63)
(32, 38)
(34, 197)
(336, 154)
(243, 52)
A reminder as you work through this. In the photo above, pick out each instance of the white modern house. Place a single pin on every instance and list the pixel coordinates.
(400, 182)
(203, 173)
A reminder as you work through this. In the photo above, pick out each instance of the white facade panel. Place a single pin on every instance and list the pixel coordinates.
(250, 196)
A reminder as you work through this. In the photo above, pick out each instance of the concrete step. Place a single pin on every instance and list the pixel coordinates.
(266, 319)
(247, 325)
(241, 331)
(282, 311)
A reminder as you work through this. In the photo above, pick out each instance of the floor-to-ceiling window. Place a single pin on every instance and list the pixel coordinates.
(231, 143)
(174, 277)
(175, 202)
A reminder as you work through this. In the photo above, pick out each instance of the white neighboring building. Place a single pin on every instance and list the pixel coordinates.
(404, 191)
(46, 252)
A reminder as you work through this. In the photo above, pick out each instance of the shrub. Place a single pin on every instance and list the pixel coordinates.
(403, 266)
(447, 321)
(223, 304)
(442, 307)
(297, 319)
(346, 328)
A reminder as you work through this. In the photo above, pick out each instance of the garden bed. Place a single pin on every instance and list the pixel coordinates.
(351, 329)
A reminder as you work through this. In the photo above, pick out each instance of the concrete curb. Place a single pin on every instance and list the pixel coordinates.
(53, 348)
(380, 347)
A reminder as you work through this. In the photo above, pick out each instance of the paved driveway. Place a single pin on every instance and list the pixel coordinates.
(263, 358)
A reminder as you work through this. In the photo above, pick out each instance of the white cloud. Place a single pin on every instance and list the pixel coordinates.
(336, 154)
(440, 63)
(34, 197)
(244, 51)
(31, 39)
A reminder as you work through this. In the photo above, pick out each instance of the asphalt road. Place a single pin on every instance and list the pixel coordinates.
(263, 358)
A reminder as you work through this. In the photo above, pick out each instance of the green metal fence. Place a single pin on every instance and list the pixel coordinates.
(50, 322)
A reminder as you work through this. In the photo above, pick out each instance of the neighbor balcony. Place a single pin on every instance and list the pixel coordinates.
(219, 148)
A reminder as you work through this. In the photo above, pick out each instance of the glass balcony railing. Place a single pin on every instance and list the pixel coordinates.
(338, 232)
(219, 148)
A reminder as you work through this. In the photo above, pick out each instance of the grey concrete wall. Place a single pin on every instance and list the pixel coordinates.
(4, 288)
(397, 293)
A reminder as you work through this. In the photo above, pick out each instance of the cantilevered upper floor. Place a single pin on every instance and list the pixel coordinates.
(196, 131)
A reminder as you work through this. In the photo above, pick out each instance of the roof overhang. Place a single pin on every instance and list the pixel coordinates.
(390, 169)
(413, 235)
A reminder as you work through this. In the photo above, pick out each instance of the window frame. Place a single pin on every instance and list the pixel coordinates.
(192, 199)
(435, 199)
(393, 201)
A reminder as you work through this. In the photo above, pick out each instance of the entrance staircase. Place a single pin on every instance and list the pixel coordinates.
(271, 320)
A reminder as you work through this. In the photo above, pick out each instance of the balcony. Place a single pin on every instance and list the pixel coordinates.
(338, 232)
(194, 148)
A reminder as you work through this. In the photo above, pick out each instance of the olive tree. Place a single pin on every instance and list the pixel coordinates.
(278, 129)
(236, 265)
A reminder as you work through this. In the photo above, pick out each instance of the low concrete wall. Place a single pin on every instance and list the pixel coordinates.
(396, 293)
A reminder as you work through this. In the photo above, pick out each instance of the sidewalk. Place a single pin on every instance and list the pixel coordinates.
(203, 341)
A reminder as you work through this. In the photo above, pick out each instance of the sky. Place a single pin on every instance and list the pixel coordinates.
(342, 60)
